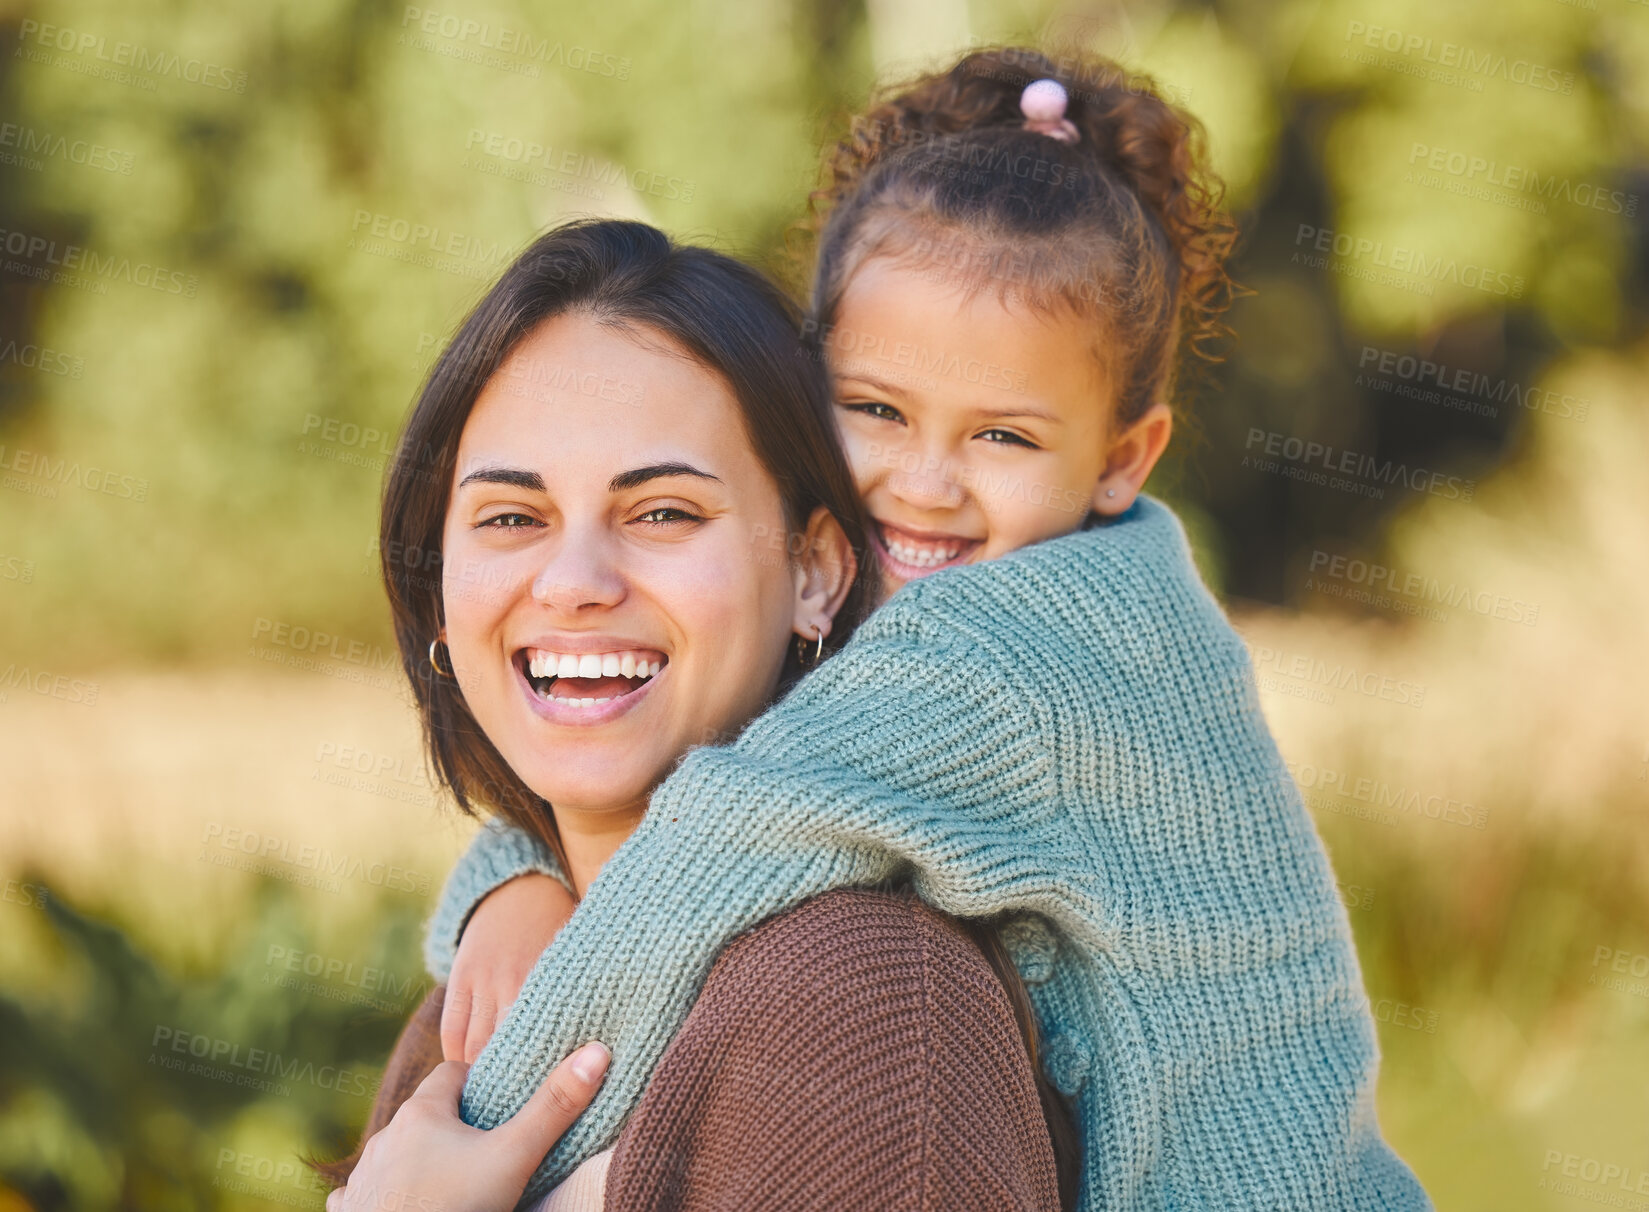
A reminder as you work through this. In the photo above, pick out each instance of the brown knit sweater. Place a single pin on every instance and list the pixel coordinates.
(855, 1052)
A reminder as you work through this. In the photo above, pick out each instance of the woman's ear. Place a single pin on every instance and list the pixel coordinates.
(1132, 455)
(824, 572)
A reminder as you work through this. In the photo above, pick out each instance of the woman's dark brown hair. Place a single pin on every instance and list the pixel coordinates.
(627, 275)
(1124, 226)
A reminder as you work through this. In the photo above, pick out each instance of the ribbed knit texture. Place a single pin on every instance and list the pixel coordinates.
(1072, 733)
(854, 1052)
(496, 856)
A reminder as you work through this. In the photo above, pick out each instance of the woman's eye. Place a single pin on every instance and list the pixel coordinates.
(874, 408)
(1008, 437)
(509, 521)
(666, 514)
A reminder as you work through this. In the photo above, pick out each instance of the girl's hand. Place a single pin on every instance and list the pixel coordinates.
(429, 1160)
(506, 934)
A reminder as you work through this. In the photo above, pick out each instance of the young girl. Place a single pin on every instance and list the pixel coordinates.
(1050, 724)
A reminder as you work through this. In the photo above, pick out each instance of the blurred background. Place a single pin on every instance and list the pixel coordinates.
(232, 239)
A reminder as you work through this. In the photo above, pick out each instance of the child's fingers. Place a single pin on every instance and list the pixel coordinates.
(483, 1020)
(455, 1024)
(566, 1092)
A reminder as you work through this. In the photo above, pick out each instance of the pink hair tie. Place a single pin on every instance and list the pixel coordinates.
(1043, 104)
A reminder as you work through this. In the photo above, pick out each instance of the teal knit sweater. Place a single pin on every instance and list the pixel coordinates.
(1070, 734)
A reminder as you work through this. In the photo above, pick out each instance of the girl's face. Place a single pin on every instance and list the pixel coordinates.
(607, 599)
(973, 426)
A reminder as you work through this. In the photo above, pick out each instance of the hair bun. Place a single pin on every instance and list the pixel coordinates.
(1043, 103)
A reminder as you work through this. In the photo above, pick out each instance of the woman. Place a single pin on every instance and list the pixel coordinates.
(858, 1046)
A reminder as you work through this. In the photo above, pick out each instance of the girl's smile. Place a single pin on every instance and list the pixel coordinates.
(908, 553)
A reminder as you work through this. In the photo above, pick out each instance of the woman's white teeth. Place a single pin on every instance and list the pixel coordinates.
(921, 557)
(543, 664)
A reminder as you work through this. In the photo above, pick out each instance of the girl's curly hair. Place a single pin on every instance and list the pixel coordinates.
(1126, 224)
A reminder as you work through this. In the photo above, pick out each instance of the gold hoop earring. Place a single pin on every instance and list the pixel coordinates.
(801, 651)
(433, 663)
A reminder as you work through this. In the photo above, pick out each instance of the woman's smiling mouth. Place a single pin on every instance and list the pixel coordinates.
(587, 687)
(909, 555)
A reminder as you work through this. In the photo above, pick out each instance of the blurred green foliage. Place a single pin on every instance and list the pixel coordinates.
(131, 1085)
(270, 198)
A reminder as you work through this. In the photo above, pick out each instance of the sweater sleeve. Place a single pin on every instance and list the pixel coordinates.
(855, 1052)
(497, 854)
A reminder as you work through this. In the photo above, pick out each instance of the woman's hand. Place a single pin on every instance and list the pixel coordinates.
(506, 934)
(429, 1160)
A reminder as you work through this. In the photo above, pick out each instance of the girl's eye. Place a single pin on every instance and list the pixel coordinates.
(1008, 437)
(668, 514)
(874, 408)
(509, 521)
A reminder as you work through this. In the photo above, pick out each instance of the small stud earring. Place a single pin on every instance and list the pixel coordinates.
(1110, 492)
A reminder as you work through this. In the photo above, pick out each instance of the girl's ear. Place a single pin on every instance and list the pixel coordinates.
(824, 574)
(1132, 455)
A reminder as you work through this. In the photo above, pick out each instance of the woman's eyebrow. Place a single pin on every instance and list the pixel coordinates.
(514, 477)
(634, 478)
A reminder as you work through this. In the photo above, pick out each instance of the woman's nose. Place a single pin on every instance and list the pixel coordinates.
(581, 572)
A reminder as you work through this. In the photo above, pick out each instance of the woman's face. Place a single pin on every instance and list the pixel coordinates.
(973, 427)
(608, 603)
